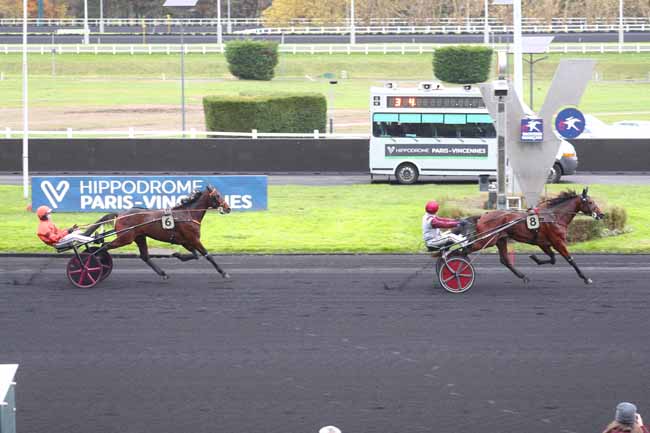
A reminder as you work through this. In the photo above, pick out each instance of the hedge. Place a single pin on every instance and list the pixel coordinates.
(294, 113)
(585, 228)
(462, 64)
(252, 60)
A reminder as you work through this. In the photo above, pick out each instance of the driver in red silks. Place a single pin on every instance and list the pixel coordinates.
(431, 225)
(51, 235)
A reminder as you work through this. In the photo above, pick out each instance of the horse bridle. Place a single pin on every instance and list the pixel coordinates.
(215, 197)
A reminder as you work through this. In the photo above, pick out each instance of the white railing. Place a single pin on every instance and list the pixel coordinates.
(474, 28)
(7, 398)
(556, 23)
(8, 133)
(301, 48)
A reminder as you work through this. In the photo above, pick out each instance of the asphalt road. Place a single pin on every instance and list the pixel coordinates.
(293, 343)
(360, 179)
(211, 38)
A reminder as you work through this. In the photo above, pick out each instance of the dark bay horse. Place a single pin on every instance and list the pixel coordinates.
(555, 216)
(136, 225)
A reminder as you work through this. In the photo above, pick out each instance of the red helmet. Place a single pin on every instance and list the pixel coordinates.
(42, 212)
(432, 206)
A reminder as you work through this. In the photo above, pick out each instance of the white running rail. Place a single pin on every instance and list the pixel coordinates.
(578, 24)
(411, 48)
(8, 133)
(7, 398)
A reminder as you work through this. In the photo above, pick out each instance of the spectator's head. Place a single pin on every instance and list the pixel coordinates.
(626, 420)
(625, 413)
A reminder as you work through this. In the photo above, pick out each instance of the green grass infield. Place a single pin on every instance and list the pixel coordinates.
(337, 219)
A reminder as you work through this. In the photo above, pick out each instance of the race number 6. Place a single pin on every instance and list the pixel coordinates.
(532, 222)
(167, 222)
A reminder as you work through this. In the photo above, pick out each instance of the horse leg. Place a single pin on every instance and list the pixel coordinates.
(549, 252)
(198, 246)
(502, 245)
(560, 246)
(144, 255)
(187, 257)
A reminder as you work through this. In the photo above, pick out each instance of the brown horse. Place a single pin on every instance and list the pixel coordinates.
(136, 225)
(554, 215)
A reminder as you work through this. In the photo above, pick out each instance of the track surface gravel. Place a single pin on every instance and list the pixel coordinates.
(292, 343)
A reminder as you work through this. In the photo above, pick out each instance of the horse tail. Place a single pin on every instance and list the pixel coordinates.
(106, 219)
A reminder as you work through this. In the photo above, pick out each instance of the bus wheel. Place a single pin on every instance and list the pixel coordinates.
(406, 174)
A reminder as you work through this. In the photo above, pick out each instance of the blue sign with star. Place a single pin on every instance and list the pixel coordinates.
(570, 123)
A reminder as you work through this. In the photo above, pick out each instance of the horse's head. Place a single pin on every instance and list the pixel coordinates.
(588, 206)
(216, 200)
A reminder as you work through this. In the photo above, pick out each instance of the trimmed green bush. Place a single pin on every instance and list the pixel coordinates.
(252, 60)
(462, 64)
(295, 113)
(585, 228)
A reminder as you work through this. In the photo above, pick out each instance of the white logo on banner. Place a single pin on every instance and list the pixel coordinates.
(391, 149)
(55, 195)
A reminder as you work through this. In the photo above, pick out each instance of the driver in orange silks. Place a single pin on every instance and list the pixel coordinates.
(51, 235)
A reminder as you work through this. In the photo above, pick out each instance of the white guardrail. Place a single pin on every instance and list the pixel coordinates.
(387, 48)
(477, 28)
(558, 24)
(8, 133)
(7, 398)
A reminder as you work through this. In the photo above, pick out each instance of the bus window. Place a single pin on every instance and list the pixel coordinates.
(478, 126)
(446, 131)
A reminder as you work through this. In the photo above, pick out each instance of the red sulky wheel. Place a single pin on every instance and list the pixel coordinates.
(456, 275)
(105, 260)
(85, 273)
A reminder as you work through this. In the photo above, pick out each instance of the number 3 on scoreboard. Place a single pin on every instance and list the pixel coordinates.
(532, 222)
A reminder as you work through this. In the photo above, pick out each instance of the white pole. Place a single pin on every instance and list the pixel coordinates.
(183, 77)
(229, 22)
(517, 50)
(25, 108)
(219, 28)
(621, 34)
(486, 30)
(86, 28)
(353, 36)
(101, 16)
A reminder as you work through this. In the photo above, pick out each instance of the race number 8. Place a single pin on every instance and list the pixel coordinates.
(168, 222)
(532, 222)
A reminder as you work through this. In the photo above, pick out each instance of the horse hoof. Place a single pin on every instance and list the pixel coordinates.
(226, 275)
(588, 281)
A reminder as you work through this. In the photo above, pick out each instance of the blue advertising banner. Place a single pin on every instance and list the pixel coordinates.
(114, 193)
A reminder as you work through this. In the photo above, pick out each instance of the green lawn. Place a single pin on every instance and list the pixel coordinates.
(358, 219)
(107, 80)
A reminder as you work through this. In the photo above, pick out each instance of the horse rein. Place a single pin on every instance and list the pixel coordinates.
(146, 211)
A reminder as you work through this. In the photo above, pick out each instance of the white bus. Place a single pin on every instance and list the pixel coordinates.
(430, 130)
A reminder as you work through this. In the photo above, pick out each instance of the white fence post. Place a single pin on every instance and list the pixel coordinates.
(7, 132)
(193, 133)
(69, 132)
(254, 134)
(131, 132)
(315, 134)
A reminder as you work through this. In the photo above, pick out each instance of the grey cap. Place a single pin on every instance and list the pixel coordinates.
(626, 413)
